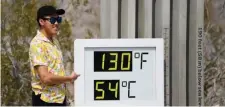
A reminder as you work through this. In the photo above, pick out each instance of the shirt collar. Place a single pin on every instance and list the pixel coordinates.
(42, 37)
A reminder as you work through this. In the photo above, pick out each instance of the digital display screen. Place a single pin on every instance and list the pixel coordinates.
(112, 61)
(106, 89)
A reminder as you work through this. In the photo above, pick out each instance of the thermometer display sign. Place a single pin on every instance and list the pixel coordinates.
(119, 73)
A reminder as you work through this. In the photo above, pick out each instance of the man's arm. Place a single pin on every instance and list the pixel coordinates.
(51, 79)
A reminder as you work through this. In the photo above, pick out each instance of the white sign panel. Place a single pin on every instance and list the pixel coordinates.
(119, 72)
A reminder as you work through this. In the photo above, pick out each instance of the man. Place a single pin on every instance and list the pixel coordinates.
(46, 60)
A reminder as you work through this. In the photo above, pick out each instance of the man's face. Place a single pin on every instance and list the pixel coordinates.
(50, 24)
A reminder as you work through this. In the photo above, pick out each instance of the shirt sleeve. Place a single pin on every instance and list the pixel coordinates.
(38, 55)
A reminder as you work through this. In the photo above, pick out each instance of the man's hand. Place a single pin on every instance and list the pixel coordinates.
(74, 76)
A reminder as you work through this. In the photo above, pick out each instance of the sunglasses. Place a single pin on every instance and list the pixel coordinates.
(52, 20)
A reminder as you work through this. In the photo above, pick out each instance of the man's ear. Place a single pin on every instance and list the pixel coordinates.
(41, 21)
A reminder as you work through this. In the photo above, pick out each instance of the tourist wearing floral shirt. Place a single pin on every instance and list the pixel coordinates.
(46, 60)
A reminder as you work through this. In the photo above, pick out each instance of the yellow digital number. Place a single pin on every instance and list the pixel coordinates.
(128, 65)
(114, 61)
(100, 90)
(114, 89)
(103, 61)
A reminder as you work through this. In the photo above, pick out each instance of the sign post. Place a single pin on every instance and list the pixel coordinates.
(119, 72)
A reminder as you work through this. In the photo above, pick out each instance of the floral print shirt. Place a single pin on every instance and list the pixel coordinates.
(44, 52)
